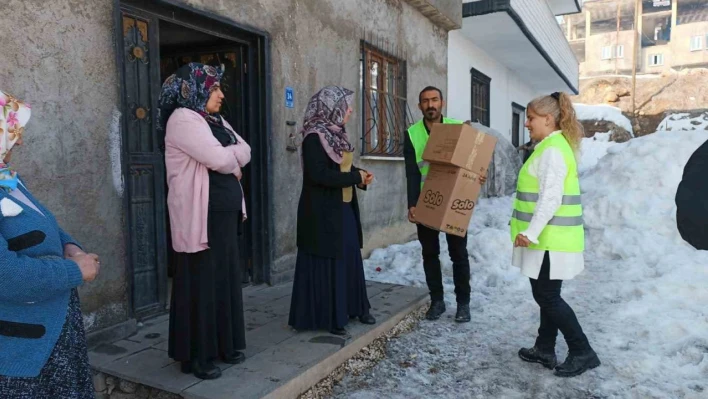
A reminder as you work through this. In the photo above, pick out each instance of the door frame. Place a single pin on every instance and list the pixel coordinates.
(521, 110)
(261, 221)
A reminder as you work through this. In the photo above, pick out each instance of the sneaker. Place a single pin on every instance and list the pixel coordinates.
(575, 365)
(437, 308)
(535, 355)
(463, 313)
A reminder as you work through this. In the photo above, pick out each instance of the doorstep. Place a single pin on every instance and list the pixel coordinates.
(280, 362)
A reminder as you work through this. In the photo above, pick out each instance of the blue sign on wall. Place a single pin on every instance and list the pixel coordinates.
(289, 97)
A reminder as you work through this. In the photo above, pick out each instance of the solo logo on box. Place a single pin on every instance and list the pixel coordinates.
(433, 198)
(462, 205)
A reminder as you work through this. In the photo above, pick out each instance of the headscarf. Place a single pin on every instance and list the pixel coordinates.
(189, 87)
(14, 115)
(324, 116)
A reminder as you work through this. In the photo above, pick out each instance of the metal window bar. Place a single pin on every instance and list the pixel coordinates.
(386, 115)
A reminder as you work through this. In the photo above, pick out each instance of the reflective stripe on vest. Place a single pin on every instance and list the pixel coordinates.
(419, 138)
(564, 232)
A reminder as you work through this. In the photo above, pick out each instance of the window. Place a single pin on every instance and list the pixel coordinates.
(517, 124)
(619, 51)
(656, 59)
(696, 43)
(607, 53)
(385, 113)
(480, 97)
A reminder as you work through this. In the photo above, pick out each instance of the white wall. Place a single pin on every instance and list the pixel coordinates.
(506, 86)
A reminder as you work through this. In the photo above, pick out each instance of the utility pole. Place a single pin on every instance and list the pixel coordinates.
(635, 49)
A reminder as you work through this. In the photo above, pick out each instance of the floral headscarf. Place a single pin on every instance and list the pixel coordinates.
(189, 87)
(324, 116)
(14, 115)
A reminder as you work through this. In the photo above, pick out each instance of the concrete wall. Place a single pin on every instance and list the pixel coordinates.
(62, 60)
(506, 85)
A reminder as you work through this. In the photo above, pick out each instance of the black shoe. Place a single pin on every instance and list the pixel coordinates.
(367, 319)
(207, 371)
(234, 358)
(535, 355)
(437, 308)
(463, 313)
(338, 331)
(577, 364)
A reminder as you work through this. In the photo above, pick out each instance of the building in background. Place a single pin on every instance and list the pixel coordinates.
(507, 53)
(673, 34)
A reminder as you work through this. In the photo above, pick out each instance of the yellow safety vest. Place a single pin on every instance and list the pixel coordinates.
(419, 137)
(564, 232)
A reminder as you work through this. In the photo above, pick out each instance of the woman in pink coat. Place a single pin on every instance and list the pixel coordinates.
(203, 157)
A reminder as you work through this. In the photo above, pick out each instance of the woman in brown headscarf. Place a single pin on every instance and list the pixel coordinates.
(329, 285)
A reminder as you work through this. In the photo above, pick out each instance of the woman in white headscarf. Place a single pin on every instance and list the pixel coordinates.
(42, 343)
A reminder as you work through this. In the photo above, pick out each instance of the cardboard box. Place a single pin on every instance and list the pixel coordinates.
(448, 199)
(460, 145)
(458, 156)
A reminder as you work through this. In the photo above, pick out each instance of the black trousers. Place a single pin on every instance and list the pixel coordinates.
(457, 246)
(556, 314)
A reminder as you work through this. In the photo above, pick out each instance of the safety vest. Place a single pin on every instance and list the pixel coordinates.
(564, 232)
(419, 137)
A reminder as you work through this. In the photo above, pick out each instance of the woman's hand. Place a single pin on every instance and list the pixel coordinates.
(482, 180)
(71, 250)
(88, 264)
(369, 178)
(521, 241)
(363, 175)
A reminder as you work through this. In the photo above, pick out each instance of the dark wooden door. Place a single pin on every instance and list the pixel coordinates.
(143, 161)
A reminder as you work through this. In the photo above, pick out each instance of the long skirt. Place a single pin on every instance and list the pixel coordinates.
(206, 312)
(67, 374)
(327, 291)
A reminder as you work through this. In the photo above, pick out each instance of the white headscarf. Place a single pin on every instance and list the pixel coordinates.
(14, 115)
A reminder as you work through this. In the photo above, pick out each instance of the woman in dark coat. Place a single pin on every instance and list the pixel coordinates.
(329, 285)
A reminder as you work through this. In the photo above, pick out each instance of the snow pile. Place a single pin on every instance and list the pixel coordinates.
(504, 167)
(684, 121)
(603, 112)
(641, 300)
(592, 149)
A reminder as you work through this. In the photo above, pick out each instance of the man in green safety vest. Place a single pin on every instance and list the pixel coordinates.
(431, 104)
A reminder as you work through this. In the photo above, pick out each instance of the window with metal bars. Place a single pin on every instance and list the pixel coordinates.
(386, 115)
(481, 85)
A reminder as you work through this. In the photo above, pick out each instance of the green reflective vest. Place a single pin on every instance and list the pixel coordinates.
(419, 137)
(564, 232)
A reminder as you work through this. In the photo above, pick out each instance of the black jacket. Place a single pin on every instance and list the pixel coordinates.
(692, 200)
(319, 213)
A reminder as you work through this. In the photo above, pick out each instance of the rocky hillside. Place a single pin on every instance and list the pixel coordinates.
(657, 95)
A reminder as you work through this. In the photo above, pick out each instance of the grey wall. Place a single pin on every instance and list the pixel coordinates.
(61, 58)
(58, 55)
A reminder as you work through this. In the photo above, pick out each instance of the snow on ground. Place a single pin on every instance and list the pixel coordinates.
(684, 121)
(592, 149)
(603, 112)
(641, 300)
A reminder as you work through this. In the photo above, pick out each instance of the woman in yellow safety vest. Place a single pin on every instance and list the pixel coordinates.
(547, 231)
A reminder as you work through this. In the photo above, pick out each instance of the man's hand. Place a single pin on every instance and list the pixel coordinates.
(521, 241)
(482, 180)
(411, 214)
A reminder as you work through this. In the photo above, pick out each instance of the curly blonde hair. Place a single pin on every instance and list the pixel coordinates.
(563, 112)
